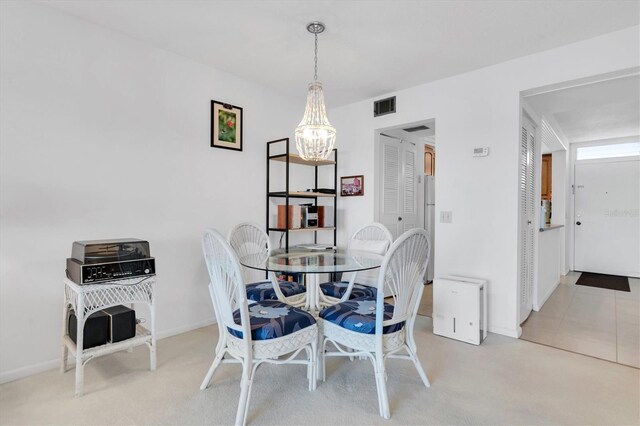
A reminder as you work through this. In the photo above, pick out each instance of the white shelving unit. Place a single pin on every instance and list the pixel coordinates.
(84, 300)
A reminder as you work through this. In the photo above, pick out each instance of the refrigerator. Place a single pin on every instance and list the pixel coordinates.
(430, 219)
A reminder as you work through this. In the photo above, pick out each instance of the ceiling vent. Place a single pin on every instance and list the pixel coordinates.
(416, 129)
(384, 106)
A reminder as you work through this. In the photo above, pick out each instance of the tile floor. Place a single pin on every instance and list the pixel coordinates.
(591, 321)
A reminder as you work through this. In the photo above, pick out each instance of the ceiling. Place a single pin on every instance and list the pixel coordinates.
(422, 136)
(603, 110)
(369, 48)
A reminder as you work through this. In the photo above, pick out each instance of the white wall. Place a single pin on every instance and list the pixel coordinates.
(479, 108)
(549, 268)
(104, 136)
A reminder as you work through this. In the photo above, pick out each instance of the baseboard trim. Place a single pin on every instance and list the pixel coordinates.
(185, 328)
(509, 332)
(537, 307)
(30, 370)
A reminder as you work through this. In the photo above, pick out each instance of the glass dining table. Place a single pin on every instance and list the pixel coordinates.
(312, 263)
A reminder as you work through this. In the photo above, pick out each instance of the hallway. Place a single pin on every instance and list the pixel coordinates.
(591, 321)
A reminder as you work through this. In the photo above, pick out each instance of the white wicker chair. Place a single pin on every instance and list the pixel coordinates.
(374, 238)
(246, 337)
(382, 336)
(249, 239)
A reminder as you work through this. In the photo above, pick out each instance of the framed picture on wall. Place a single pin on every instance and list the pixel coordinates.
(352, 185)
(226, 126)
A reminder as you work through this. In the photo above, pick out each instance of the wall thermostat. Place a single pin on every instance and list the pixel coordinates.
(481, 152)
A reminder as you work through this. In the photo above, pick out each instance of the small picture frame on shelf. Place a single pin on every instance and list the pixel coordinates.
(226, 126)
(352, 185)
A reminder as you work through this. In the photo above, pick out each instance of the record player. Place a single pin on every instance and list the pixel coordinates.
(108, 260)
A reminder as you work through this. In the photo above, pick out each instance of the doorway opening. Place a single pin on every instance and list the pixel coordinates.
(588, 220)
(405, 167)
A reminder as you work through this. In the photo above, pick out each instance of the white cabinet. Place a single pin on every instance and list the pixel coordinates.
(459, 308)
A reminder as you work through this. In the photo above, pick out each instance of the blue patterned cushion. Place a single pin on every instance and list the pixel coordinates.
(359, 315)
(263, 290)
(270, 319)
(337, 288)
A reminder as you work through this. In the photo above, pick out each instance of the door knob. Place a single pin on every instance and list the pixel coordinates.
(399, 219)
(578, 223)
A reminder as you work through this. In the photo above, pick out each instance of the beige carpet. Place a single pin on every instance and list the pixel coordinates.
(504, 381)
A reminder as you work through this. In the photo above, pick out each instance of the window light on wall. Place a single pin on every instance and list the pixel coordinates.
(608, 151)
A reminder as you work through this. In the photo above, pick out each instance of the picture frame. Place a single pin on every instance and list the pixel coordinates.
(226, 126)
(351, 186)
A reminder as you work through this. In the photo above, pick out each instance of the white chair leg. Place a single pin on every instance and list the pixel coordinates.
(245, 392)
(309, 372)
(216, 362)
(421, 372)
(322, 363)
(313, 360)
(381, 383)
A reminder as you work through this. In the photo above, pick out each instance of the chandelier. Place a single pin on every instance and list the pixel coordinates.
(315, 136)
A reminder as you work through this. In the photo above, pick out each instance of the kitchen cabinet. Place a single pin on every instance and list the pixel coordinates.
(429, 161)
(545, 192)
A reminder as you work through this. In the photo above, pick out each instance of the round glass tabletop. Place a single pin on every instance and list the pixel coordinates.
(300, 260)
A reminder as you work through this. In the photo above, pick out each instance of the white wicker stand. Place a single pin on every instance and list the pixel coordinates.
(84, 300)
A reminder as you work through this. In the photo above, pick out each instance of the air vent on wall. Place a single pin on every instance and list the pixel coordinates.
(384, 106)
(416, 129)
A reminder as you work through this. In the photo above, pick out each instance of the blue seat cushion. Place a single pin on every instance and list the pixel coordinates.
(359, 315)
(271, 319)
(337, 288)
(263, 290)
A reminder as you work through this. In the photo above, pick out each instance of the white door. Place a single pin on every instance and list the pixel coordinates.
(607, 224)
(528, 209)
(399, 196)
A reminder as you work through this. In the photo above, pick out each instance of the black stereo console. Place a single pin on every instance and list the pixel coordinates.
(97, 272)
(108, 260)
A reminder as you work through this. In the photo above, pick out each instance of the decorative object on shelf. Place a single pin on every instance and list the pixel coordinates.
(315, 136)
(226, 126)
(352, 185)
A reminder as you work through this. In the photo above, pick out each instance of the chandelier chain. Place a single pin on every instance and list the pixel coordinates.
(315, 72)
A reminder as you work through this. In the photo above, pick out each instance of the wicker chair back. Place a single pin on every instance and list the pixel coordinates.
(401, 274)
(248, 239)
(379, 239)
(226, 286)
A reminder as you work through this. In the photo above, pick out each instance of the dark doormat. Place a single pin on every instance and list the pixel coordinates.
(611, 282)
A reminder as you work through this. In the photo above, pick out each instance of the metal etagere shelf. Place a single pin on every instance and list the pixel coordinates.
(285, 156)
(84, 300)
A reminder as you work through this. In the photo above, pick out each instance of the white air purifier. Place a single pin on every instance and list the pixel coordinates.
(460, 308)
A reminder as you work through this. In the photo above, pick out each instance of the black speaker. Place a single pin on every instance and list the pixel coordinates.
(122, 323)
(96, 329)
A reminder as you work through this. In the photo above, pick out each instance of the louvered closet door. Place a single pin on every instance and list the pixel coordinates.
(399, 204)
(528, 208)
